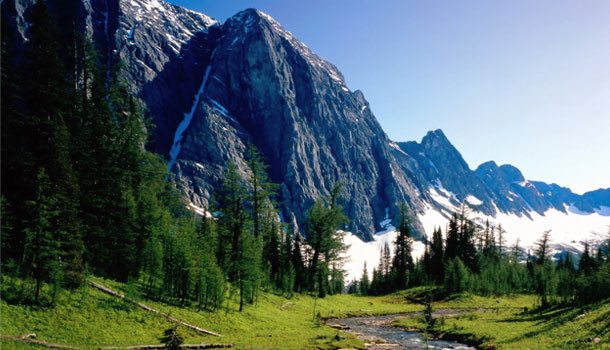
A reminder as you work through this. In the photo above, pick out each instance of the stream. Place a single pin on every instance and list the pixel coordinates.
(372, 328)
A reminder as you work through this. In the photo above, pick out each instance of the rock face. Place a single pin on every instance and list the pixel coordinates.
(211, 89)
(438, 169)
(271, 90)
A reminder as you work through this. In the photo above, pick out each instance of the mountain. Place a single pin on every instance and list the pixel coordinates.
(212, 88)
(266, 87)
(438, 169)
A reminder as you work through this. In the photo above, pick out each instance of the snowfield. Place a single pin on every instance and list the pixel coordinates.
(569, 231)
(360, 251)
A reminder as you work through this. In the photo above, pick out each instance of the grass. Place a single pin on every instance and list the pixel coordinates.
(515, 322)
(89, 318)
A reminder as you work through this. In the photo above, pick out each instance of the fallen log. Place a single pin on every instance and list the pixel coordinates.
(148, 308)
(338, 326)
(38, 342)
(183, 346)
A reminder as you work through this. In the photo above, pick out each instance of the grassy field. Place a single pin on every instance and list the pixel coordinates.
(88, 318)
(518, 323)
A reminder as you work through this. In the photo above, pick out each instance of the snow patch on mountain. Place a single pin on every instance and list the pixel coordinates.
(173, 153)
(176, 21)
(569, 229)
(369, 252)
(473, 200)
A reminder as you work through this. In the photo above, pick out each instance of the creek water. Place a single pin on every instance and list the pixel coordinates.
(371, 328)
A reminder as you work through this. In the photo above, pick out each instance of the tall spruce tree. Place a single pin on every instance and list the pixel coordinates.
(238, 250)
(324, 220)
(365, 284)
(451, 250)
(403, 261)
(437, 257)
(48, 140)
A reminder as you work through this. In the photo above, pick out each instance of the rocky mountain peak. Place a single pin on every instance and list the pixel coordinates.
(211, 89)
(511, 173)
(436, 137)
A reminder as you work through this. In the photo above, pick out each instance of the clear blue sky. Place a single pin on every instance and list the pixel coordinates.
(521, 82)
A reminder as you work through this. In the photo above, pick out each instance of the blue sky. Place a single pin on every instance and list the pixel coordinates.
(520, 82)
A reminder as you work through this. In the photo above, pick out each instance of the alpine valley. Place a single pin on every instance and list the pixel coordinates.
(211, 88)
(175, 181)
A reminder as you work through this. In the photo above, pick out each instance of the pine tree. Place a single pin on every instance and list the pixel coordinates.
(172, 339)
(403, 261)
(456, 278)
(501, 240)
(49, 140)
(262, 190)
(586, 263)
(286, 279)
(364, 282)
(451, 250)
(466, 250)
(238, 250)
(41, 251)
(300, 274)
(437, 256)
(542, 248)
(324, 220)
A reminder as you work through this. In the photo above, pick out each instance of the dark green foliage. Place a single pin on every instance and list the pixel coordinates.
(457, 276)
(324, 220)
(586, 264)
(39, 182)
(171, 339)
(451, 250)
(300, 272)
(403, 261)
(364, 285)
(41, 249)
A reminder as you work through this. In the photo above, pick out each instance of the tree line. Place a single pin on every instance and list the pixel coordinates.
(475, 258)
(82, 194)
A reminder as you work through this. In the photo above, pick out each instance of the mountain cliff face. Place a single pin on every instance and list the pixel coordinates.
(443, 177)
(212, 88)
(267, 88)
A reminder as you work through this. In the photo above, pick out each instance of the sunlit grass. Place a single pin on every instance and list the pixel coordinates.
(89, 318)
(518, 323)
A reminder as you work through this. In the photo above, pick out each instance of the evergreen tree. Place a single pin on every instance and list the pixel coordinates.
(238, 250)
(41, 251)
(466, 250)
(324, 220)
(262, 190)
(542, 248)
(501, 240)
(172, 339)
(451, 250)
(456, 278)
(586, 265)
(286, 279)
(46, 109)
(437, 256)
(300, 273)
(403, 261)
(364, 282)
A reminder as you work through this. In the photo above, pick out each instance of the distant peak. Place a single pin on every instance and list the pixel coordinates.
(489, 164)
(252, 14)
(511, 173)
(436, 137)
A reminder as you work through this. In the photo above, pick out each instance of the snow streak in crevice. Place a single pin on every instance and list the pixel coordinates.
(173, 153)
